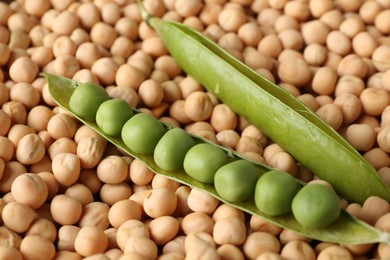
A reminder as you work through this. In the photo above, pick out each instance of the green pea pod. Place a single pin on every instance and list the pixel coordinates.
(273, 110)
(346, 229)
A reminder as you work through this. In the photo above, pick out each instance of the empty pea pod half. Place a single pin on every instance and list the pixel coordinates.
(345, 229)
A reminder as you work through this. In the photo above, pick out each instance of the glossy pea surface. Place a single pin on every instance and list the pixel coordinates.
(274, 192)
(236, 181)
(203, 160)
(171, 149)
(141, 133)
(112, 115)
(86, 99)
(316, 206)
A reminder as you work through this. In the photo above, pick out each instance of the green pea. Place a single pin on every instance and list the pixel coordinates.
(171, 149)
(274, 192)
(112, 115)
(86, 99)
(142, 132)
(235, 181)
(316, 206)
(203, 160)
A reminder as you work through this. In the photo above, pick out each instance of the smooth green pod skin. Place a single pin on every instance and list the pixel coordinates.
(235, 181)
(316, 206)
(277, 113)
(202, 162)
(171, 149)
(86, 100)
(141, 133)
(112, 115)
(274, 192)
(345, 230)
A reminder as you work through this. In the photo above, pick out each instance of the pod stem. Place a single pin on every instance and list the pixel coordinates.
(144, 13)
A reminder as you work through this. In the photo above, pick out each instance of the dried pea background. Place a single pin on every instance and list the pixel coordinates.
(332, 55)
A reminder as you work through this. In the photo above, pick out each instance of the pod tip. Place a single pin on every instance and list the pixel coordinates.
(385, 237)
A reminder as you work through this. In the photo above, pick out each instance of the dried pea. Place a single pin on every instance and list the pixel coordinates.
(29, 189)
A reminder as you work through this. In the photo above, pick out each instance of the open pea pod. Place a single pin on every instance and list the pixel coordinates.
(346, 229)
(282, 117)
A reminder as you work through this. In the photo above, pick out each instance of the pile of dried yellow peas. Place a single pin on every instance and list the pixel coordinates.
(68, 193)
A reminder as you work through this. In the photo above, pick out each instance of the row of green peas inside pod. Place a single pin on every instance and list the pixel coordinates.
(235, 180)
